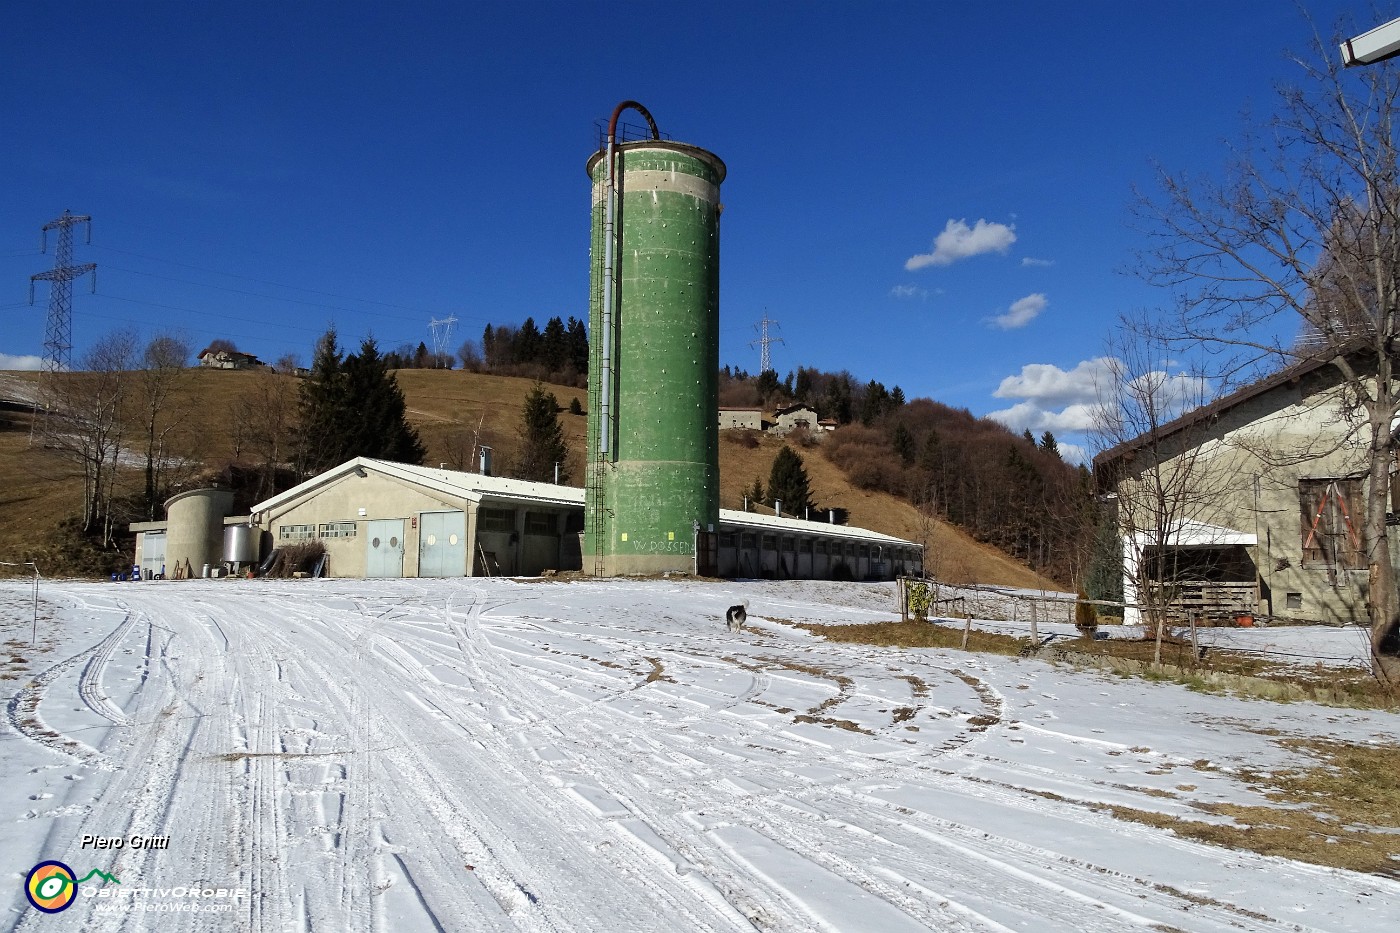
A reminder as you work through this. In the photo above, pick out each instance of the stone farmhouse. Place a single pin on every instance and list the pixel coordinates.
(1271, 484)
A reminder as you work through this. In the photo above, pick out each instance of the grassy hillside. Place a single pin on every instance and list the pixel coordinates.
(451, 410)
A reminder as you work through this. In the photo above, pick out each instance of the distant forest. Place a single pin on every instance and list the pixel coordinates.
(557, 354)
(1009, 490)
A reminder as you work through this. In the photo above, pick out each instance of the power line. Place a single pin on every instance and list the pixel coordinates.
(224, 331)
(249, 278)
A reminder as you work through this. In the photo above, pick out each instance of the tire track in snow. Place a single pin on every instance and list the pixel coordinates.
(22, 711)
(764, 907)
(545, 894)
(1041, 861)
(1071, 909)
(90, 681)
(160, 789)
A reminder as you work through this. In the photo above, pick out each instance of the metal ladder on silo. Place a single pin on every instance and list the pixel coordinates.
(597, 373)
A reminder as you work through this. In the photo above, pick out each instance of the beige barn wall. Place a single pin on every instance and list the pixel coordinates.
(1250, 463)
(381, 497)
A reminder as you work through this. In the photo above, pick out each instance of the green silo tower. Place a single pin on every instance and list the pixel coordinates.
(653, 435)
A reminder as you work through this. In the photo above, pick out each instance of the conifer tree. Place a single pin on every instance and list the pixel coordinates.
(353, 407)
(787, 483)
(378, 425)
(321, 403)
(577, 343)
(542, 442)
(553, 349)
(903, 443)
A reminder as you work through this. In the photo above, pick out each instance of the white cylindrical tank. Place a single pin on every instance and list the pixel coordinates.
(195, 530)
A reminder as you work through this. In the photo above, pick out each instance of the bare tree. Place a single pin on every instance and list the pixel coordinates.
(1157, 468)
(470, 355)
(269, 418)
(164, 365)
(1302, 233)
(87, 426)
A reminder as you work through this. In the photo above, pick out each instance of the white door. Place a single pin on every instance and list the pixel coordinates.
(152, 554)
(385, 543)
(442, 544)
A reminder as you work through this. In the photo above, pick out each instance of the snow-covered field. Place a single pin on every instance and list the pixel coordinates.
(453, 755)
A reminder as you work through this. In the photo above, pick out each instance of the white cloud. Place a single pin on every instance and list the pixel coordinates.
(1028, 416)
(1175, 393)
(959, 241)
(1051, 385)
(1040, 263)
(1021, 312)
(1067, 401)
(1061, 401)
(1073, 453)
(908, 291)
(10, 361)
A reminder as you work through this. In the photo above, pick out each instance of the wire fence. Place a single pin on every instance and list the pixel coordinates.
(34, 566)
(1022, 614)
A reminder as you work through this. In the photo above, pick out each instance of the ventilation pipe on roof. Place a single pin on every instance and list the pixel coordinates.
(485, 461)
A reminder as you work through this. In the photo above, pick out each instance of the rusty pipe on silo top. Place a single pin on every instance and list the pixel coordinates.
(605, 427)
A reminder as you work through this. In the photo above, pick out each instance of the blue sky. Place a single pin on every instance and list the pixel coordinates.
(256, 171)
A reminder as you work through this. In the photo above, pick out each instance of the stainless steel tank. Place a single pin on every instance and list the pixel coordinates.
(241, 544)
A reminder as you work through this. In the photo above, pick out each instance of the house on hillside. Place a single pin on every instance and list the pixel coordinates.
(793, 417)
(783, 421)
(731, 417)
(228, 359)
(1270, 497)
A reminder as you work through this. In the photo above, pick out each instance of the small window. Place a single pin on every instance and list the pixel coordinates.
(728, 539)
(821, 548)
(296, 532)
(495, 520)
(540, 523)
(1332, 516)
(1293, 600)
(337, 529)
(770, 542)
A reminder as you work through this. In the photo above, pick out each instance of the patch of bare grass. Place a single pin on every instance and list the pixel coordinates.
(1340, 813)
(846, 724)
(657, 672)
(1220, 671)
(916, 635)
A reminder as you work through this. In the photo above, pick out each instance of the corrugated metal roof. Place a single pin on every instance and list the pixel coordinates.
(802, 526)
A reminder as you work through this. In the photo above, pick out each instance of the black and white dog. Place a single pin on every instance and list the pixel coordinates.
(736, 616)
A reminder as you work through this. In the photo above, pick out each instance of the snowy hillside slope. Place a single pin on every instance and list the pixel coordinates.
(414, 755)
